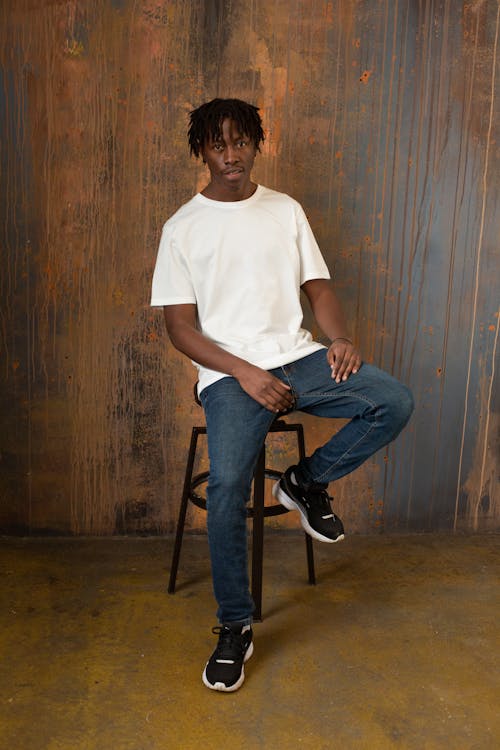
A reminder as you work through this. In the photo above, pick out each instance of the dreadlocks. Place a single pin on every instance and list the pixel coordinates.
(206, 122)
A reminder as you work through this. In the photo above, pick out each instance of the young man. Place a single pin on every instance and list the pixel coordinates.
(230, 267)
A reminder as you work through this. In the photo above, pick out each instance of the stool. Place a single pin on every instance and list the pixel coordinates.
(258, 510)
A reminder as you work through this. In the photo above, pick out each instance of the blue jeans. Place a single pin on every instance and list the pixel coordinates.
(378, 407)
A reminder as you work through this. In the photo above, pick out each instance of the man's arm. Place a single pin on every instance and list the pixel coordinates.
(342, 355)
(259, 384)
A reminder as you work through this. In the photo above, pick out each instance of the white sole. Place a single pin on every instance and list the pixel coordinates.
(219, 686)
(290, 504)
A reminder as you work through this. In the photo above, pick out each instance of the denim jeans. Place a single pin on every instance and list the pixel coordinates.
(378, 407)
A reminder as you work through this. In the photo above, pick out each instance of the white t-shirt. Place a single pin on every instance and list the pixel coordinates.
(242, 263)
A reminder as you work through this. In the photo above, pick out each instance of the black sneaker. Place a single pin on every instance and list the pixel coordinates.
(224, 670)
(313, 502)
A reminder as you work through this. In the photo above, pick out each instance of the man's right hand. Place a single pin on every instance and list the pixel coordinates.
(265, 388)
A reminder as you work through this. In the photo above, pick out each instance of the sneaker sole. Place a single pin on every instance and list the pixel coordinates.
(220, 686)
(290, 504)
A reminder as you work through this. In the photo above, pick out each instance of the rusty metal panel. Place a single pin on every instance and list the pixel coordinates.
(382, 118)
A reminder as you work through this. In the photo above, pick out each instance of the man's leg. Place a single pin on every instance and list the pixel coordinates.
(236, 429)
(378, 407)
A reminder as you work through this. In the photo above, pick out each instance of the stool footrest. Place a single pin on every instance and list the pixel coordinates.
(269, 510)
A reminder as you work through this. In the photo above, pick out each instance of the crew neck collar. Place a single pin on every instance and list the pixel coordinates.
(231, 205)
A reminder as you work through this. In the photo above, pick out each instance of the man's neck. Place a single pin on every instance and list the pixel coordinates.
(217, 193)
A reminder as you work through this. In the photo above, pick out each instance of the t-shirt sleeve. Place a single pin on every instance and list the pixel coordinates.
(171, 279)
(312, 263)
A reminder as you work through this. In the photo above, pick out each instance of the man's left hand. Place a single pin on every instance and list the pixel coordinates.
(344, 359)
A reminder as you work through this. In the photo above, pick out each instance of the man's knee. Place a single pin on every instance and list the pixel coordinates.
(229, 478)
(228, 491)
(400, 407)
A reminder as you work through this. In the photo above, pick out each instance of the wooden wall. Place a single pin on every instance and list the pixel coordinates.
(382, 118)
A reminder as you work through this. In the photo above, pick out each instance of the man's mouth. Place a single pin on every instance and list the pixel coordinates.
(234, 170)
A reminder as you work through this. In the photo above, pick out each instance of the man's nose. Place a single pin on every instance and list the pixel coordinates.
(230, 155)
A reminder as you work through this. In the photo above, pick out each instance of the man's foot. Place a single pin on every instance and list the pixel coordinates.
(313, 503)
(224, 670)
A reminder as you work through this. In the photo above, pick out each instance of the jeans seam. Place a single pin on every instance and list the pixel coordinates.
(358, 396)
(287, 376)
(347, 452)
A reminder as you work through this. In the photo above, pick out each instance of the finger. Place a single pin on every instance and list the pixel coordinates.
(281, 387)
(276, 390)
(284, 394)
(341, 362)
(278, 407)
(282, 391)
(332, 361)
(284, 404)
(357, 364)
(276, 400)
(351, 366)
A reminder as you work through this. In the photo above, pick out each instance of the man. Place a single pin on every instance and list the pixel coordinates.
(230, 267)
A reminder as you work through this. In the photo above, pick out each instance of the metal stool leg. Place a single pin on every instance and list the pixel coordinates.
(309, 544)
(258, 532)
(196, 431)
(258, 512)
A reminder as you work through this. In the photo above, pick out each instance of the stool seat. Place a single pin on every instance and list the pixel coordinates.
(257, 510)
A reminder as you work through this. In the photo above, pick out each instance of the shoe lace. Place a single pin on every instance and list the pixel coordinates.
(321, 499)
(225, 651)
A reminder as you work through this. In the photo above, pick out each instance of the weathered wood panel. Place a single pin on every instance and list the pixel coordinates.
(382, 119)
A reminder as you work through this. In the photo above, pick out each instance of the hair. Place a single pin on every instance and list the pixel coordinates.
(206, 122)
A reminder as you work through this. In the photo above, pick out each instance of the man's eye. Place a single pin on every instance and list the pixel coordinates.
(242, 143)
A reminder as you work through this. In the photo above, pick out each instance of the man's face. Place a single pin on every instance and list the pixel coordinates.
(230, 159)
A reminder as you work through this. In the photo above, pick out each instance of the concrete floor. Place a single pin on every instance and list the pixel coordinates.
(396, 647)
